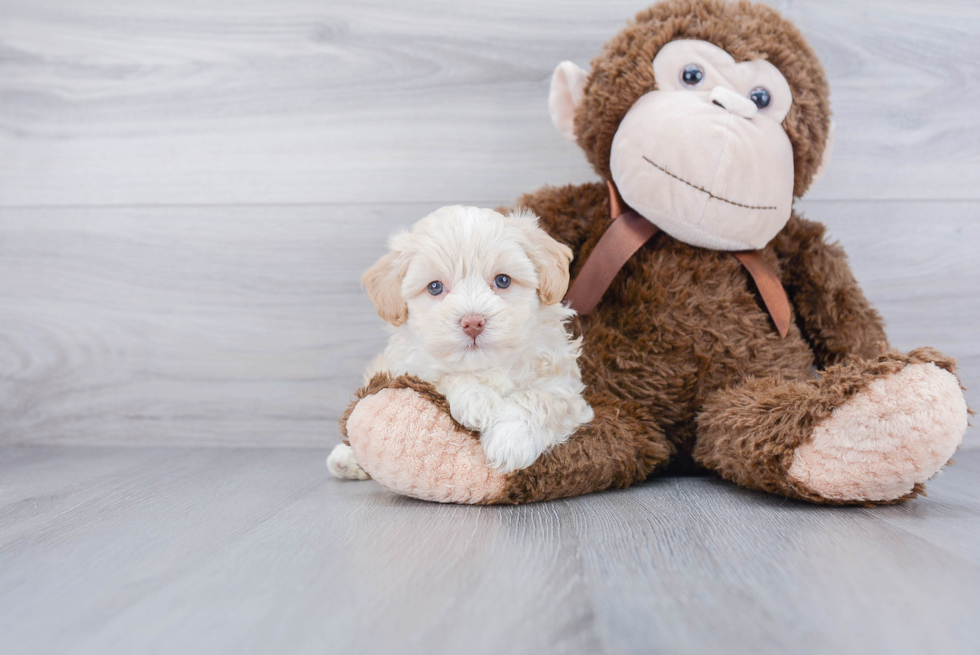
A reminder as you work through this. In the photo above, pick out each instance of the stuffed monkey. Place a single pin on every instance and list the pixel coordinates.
(720, 329)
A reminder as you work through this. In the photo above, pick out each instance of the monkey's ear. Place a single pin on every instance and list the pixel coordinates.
(550, 258)
(567, 87)
(828, 150)
(383, 282)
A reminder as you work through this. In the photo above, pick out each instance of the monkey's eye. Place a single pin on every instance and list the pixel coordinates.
(760, 97)
(501, 281)
(692, 75)
(435, 288)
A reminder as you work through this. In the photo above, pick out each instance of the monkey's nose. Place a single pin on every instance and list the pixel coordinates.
(733, 102)
(473, 324)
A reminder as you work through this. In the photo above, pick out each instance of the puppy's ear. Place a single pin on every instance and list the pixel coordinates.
(549, 257)
(383, 282)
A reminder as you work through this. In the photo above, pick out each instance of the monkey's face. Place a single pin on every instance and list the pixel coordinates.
(705, 156)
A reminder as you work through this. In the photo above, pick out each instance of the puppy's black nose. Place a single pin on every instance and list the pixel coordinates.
(473, 324)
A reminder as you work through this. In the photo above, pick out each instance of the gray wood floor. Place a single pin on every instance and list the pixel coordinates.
(188, 195)
(204, 550)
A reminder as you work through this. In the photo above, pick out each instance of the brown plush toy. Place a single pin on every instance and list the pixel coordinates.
(713, 301)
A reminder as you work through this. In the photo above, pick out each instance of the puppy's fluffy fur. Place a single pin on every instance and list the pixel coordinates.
(517, 381)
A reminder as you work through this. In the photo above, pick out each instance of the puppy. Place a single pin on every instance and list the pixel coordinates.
(472, 298)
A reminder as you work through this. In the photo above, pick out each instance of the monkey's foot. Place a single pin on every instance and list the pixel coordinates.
(884, 442)
(412, 446)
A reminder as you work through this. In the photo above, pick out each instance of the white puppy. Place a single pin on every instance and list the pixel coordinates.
(472, 298)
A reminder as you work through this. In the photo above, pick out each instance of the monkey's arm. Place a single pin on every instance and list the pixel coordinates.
(831, 309)
(570, 213)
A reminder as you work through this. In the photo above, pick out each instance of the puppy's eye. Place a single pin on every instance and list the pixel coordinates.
(435, 288)
(692, 75)
(501, 281)
(760, 96)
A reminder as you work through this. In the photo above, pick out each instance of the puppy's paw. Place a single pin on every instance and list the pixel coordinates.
(472, 405)
(342, 465)
(510, 445)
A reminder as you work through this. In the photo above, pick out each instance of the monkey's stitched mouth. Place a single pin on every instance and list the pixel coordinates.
(701, 189)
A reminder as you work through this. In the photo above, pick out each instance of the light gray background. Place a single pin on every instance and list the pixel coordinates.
(189, 192)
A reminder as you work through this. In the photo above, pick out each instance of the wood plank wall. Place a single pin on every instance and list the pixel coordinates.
(190, 191)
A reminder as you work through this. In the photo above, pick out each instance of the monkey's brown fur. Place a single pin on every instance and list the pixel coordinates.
(681, 360)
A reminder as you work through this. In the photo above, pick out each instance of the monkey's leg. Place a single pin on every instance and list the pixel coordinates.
(403, 437)
(868, 431)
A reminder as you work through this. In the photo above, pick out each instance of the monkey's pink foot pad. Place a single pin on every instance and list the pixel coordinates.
(895, 434)
(414, 448)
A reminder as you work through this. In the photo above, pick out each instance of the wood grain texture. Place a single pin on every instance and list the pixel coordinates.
(258, 551)
(109, 102)
(240, 325)
(247, 326)
(188, 194)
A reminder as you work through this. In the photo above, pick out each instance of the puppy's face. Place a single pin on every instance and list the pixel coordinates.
(469, 281)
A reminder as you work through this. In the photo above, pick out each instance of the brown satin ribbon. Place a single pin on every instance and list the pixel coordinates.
(617, 244)
(770, 288)
(624, 237)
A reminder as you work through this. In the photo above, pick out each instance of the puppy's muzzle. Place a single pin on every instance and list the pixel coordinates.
(473, 325)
